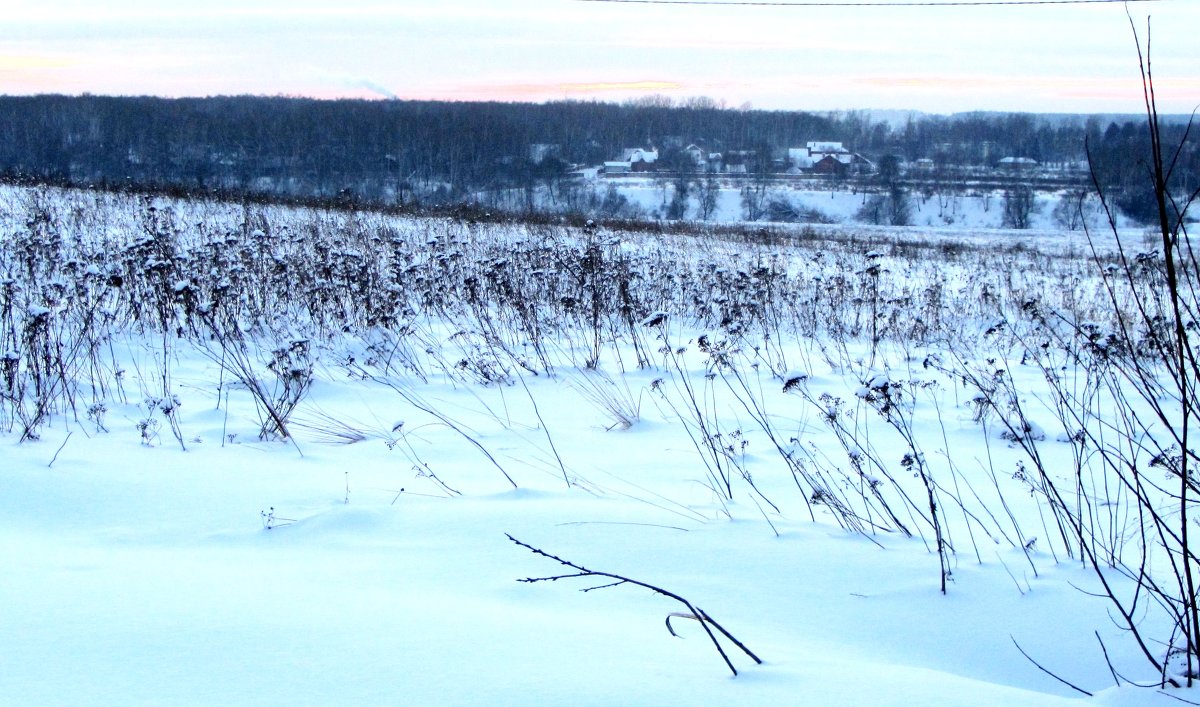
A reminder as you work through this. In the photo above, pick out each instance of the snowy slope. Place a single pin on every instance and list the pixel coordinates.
(365, 560)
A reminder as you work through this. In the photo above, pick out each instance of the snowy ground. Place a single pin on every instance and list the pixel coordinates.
(142, 574)
(366, 561)
(972, 209)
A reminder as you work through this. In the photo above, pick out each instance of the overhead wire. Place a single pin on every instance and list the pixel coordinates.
(869, 3)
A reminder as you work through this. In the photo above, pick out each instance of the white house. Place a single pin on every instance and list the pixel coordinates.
(637, 154)
(808, 156)
(702, 159)
(635, 159)
(1017, 164)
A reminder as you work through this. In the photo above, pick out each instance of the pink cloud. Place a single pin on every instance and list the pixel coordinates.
(525, 91)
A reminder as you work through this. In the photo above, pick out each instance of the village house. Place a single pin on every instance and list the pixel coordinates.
(635, 159)
(704, 160)
(807, 157)
(827, 158)
(1017, 164)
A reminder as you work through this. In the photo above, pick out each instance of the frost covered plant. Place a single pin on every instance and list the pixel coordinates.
(896, 404)
(169, 407)
(861, 498)
(38, 370)
(293, 369)
(148, 426)
(270, 521)
(291, 366)
(1124, 385)
(96, 413)
(687, 401)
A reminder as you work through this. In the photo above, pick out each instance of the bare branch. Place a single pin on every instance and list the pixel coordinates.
(692, 612)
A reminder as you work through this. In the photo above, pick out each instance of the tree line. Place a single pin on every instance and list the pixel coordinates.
(397, 151)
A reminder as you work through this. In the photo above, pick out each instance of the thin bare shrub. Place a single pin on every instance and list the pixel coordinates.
(1123, 385)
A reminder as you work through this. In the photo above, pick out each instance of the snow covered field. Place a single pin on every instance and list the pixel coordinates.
(261, 455)
(830, 203)
(840, 204)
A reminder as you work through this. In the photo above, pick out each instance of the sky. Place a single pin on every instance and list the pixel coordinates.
(1036, 58)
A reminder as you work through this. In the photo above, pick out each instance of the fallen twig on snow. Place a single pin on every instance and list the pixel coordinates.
(693, 612)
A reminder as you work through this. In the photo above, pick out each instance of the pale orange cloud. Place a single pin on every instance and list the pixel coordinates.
(27, 63)
(28, 73)
(581, 87)
(619, 86)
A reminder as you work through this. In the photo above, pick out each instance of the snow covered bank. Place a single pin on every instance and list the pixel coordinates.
(706, 415)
